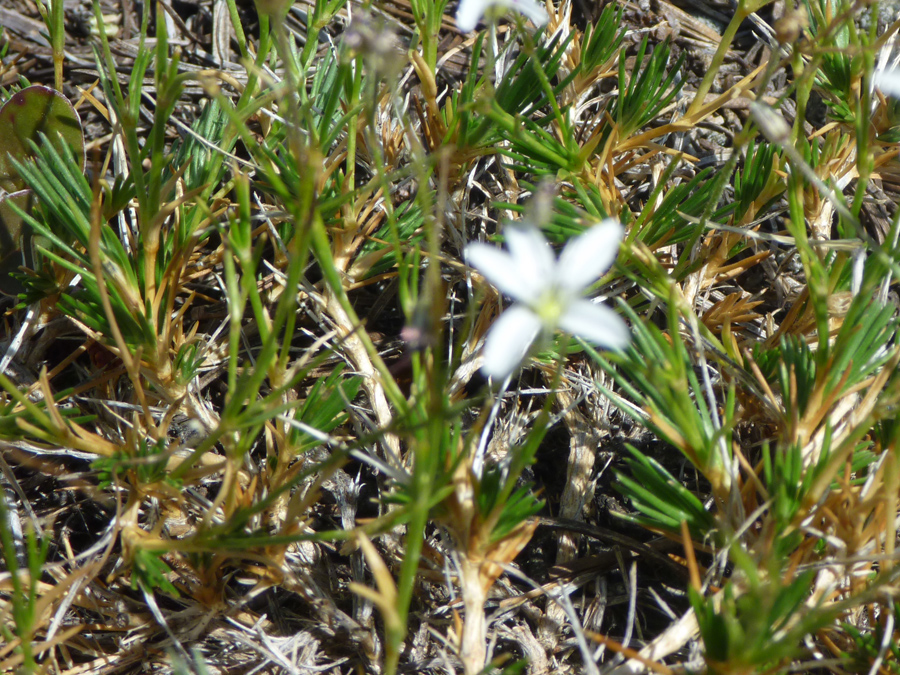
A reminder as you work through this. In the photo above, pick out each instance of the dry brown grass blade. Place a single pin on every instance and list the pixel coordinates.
(39, 648)
(632, 654)
(732, 309)
(692, 119)
(385, 598)
(358, 354)
(844, 447)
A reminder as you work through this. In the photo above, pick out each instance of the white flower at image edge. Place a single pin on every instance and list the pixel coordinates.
(549, 292)
(469, 12)
(888, 81)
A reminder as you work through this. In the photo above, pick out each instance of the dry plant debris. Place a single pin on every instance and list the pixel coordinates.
(248, 422)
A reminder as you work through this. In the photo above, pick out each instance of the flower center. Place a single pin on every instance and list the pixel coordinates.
(550, 307)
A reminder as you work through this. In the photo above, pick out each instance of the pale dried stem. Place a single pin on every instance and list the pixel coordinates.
(578, 489)
(356, 352)
(472, 646)
(584, 439)
(670, 641)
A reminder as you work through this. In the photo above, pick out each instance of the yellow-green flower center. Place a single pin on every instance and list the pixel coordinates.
(550, 307)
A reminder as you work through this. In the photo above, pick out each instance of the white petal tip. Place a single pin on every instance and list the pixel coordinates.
(533, 11)
(888, 81)
(597, 324)
(469, 12)
(508, 342)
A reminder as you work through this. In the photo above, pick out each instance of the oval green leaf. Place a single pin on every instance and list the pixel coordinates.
(26, 115)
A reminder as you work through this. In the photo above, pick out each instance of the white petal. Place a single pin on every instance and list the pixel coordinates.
(588, 256)
(531, 251)
(888, 81)
(508, 341)
(532, 10)
(504, 271)
(596, 323)
(469, 13)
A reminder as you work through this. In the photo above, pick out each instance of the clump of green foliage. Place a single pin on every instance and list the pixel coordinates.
(270, 315)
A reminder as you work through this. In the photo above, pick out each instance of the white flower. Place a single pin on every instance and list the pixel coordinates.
(549, 292)
(888, 80)
(469, 12)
